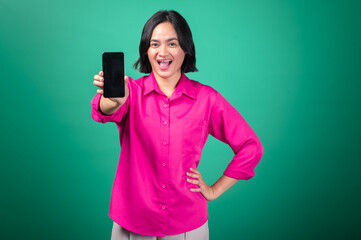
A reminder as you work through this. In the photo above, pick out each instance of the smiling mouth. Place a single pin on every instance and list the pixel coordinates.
(164, 63)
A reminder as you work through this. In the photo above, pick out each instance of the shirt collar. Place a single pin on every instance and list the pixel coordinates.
(185, 86)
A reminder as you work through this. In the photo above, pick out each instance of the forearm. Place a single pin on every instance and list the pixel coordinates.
(108, 107)
(222, 185)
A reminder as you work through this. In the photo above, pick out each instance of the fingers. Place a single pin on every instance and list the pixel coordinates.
(197, 181)
(98, 83)
(192, 174)
(193, 181)
(126, 79)
(195, 175)
(99, 80)
(195, 190)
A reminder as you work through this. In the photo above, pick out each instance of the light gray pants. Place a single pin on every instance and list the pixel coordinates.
(120, 233)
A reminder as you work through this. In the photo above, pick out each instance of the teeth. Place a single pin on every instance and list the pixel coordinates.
(164, 63)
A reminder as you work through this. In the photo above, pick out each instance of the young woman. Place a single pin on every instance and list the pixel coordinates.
(163, 122)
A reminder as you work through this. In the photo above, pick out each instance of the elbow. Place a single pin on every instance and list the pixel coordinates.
(96, 118)
(253, 148)
(245, 160)
(253, 152)
(259, 149)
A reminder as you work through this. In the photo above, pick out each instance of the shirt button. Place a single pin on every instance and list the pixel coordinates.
(164, 186)
(163, 164)
(165, 123)
(164, 143)
(163, 207)
(165, 105)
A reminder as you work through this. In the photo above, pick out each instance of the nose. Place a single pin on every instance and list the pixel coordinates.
(163, 51)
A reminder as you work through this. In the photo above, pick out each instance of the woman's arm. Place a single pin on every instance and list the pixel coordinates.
(227, 125)
(108, 106)
(109, 109)
(210, 192)
(222, 185)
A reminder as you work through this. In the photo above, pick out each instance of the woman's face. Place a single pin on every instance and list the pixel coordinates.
(164, 53)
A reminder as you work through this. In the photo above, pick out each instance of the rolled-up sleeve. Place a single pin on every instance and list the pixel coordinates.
(117, 116)
(227, 125)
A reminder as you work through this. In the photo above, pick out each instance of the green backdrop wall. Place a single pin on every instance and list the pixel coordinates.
(291, 68)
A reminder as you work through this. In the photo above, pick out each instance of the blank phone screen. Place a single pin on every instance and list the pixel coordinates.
(113, 68)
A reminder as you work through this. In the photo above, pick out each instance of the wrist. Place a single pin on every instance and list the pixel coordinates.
(108, 106)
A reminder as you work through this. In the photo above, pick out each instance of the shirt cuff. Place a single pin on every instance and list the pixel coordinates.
(237, 174)
(117, 116)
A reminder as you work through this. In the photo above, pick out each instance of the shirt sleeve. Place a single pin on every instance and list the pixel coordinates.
(117, 116)
(227, 125)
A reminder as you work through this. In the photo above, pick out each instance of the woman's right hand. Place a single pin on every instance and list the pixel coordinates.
(99, 82)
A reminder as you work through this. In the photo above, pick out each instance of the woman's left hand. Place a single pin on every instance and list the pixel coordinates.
(207, 191)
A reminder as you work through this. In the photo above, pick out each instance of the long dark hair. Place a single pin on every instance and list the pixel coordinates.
(184, 37)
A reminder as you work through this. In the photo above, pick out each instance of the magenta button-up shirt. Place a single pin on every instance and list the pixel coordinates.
(161, 138)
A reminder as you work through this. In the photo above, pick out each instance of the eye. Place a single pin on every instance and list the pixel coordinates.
(154, 44)
(172, 44)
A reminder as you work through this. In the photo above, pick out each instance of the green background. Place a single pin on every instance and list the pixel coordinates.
(291, 68)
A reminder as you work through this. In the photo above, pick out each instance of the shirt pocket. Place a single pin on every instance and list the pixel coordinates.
(193, 133)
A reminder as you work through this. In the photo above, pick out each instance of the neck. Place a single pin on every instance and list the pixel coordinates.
(168, 85)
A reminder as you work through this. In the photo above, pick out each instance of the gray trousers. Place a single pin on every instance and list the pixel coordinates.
(120, 233)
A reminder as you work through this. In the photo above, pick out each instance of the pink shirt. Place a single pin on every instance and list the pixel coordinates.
(161, 138)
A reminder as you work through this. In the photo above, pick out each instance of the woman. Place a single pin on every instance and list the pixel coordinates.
(163, 122)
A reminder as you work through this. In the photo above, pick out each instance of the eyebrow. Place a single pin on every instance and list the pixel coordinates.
(170, 39)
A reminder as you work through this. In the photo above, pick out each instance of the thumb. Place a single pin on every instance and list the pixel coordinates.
(126, 79)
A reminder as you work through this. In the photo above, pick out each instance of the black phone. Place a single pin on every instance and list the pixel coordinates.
(113, 69)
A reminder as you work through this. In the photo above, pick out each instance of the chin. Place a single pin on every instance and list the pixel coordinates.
(163, 74)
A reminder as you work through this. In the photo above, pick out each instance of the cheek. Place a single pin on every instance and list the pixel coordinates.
(180, 56)
(150, 57)
(150, 54)
(181, 59)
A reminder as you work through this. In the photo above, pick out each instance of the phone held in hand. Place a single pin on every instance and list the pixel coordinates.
(113, 69)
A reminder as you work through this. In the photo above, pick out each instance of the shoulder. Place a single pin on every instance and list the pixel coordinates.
(138, 81)
(204, 91)
(136, 84)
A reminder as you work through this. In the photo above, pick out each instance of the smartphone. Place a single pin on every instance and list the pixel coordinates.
(113, 68)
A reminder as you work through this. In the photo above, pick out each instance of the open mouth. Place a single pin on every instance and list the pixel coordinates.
(164, 63)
